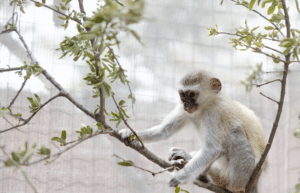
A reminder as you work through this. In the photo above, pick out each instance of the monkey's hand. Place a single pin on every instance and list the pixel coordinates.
(126, 134)
(178, 177)
(177, 153)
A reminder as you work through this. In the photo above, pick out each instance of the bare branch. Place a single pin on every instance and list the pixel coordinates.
(81, 7)
(6, 31)
(269, 98)
(126, 122)
(57, 11)
(112, 51)
(153, 174)
(274, 50)
(29, 180)
(259, 85)
(27, 120)
(262, 17)
(67, 95)
(275, 72)
(20, 90)
(10, 69)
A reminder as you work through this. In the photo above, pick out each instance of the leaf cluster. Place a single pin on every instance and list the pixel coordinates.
(35, 103)
(254, 77)
(20, 157)
(84, 131)
(117, 116)
(4, 111)
(31, 69)
(61, 139)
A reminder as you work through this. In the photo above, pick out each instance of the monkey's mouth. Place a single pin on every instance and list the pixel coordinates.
(190, 110)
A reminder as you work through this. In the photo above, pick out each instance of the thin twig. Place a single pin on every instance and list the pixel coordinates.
(275, 72)
(112, 51)
(232, 34)
(20, 90)
(6, 31)
(127, 161)
(81, 7)
(273, 49)
(269, 98)
(259, 85)
(66, 149)
(126, 121)
(57, 11)
(263, 17)
(27, 120)
(259, 51)
(29, 180)
(11, 69)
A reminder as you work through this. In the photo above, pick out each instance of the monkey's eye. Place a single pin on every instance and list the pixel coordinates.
(181, 94)
(192, 94)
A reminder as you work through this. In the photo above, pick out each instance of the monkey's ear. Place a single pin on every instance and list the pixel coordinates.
(215, 84)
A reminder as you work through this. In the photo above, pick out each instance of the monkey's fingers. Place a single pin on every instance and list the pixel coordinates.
(174, 182)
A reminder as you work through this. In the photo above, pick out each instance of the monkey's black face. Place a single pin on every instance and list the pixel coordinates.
(189, 99)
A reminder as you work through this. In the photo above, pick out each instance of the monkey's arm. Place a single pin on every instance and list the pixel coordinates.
(171, 124)
(200, 163)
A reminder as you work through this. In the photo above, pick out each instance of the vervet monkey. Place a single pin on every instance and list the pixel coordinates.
(231, 133)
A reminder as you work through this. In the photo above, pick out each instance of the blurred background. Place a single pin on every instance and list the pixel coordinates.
(175, 37)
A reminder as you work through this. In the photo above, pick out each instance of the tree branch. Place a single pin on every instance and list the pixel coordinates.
(211, 187)
(76, 20)
(20, 90)
(27, 120)
(112, 51)
(259, 85)
(10, 69)
(269, 98)
(262, 17)
(226, 33)
(126, 122)
(280, 105)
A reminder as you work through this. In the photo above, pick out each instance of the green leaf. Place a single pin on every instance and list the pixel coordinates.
(126, 163)
(297, 5)
(89, 36)
(137, 36)
(44, 151)
(62, 139)
(272, 7)
(21, 9)
(15, 157)
(4, 111)
(177, 189)
(38, 4)
(251, 4)
(122, 102)
(43, 1)
(132, 136)
(269, 28)
(265, 2)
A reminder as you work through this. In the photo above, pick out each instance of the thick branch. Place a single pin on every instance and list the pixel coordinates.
(27, 120)
(211, 187)
(126, 122)
(67, 95)
(262, 17)
(78, 21)
(280, 105)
